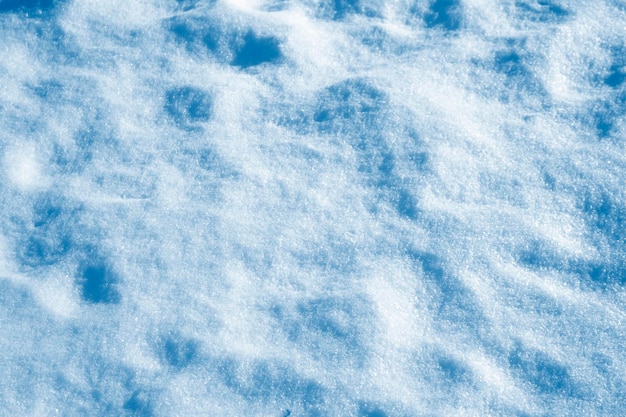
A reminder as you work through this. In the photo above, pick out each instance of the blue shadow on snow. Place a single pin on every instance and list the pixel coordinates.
(257, 50)
(188, 106)
(542, 11)
(545, 375)
(445, 14)
(98, 283)
(30, 7)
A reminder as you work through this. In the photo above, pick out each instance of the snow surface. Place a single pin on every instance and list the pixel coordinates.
(312, 208)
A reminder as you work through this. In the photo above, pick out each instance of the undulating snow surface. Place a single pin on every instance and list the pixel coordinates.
(312, 208)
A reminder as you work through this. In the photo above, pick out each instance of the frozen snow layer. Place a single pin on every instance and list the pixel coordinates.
(312, 208)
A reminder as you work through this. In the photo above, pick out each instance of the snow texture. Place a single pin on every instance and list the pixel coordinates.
(312, 208)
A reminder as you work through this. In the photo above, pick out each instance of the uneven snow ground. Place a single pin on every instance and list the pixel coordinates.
(312, 208)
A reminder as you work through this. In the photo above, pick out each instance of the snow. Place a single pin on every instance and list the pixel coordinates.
(312, 208)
